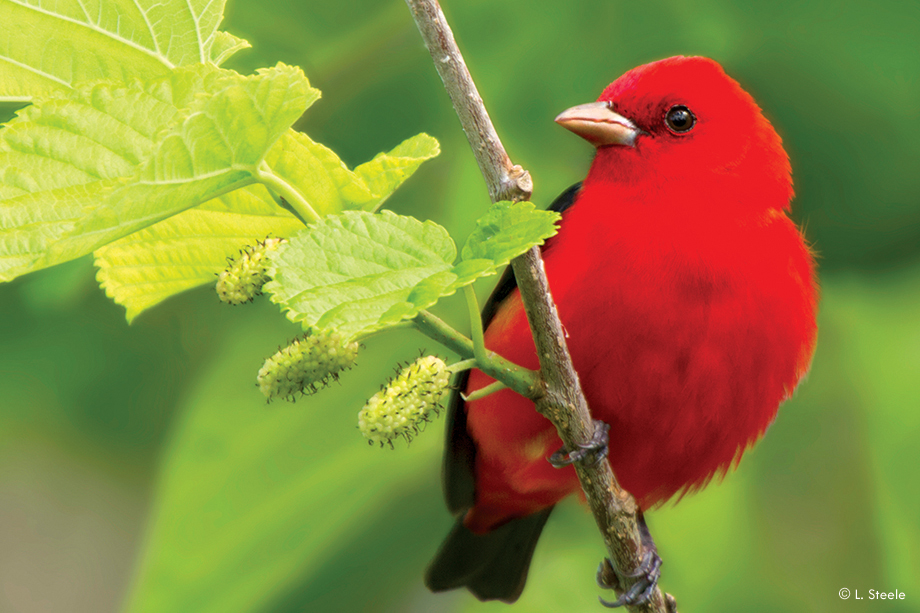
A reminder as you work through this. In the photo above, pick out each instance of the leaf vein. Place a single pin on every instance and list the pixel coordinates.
(196, 19)
(113, 35)
(153, 36)
(36, 71)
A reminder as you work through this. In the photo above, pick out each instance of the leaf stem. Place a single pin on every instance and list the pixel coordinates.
(436, 328)
(484, 391)
(293, 198)
(524, 381)
(462, 365)
(479, 342)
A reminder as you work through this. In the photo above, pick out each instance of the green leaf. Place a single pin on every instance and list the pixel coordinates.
(362, 272)
(387, 171)
(330, 187)
(47, 47)
(347, 271)
(508, 230)
(216, 144)
(31, 222)
(85, 138)
(187, 250)
(232, 127)
(317, 173)
(225, 45)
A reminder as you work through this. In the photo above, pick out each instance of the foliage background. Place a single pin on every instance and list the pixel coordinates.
(141, 470)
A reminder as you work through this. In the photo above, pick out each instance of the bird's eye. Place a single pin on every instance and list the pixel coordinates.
(679, 119)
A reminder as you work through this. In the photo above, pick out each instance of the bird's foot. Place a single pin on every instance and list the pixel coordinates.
(597, 447)
(641, 591)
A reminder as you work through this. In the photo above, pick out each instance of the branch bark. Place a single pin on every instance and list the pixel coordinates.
(562, 401)
(504, 180)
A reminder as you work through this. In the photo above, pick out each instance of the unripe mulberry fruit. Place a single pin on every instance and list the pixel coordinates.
(405, 404)
(244, 276)
(307, 364)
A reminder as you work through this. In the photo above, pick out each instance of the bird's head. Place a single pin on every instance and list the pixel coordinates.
(683, 119)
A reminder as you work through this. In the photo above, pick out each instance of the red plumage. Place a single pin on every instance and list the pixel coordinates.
(686, 292)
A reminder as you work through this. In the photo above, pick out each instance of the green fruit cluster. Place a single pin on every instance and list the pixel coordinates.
(305, 365)
(405, 404)
(244, 276)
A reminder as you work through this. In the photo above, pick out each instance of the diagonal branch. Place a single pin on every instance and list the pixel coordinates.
(504, 180)
(562, 402)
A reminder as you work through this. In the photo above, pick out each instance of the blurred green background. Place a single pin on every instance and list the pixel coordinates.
(141, 470)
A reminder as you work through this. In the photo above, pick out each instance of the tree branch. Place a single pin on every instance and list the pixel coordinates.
(504, 180)
(562, 401)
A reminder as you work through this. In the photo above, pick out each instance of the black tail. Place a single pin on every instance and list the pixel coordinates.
(492, 566)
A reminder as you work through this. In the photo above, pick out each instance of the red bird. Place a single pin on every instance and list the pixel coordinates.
(689, 300)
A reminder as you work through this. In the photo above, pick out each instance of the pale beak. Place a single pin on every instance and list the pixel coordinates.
(599, 125)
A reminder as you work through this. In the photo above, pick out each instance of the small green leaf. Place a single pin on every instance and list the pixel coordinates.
(505, 232)
(225, 45)
(508, 230)
(347, 271)
(387, 171)
(330, 187)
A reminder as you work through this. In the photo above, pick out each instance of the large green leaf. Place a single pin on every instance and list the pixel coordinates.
(64, 155)
(32, 222)
(46, 47)
(222, 126)
(218, 145)
(361, 272)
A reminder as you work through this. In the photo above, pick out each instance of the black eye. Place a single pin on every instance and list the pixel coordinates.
(679, 119)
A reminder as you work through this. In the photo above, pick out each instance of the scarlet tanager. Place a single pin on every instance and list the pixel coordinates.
(688, 297)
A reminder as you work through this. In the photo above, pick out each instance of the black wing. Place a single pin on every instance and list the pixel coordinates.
(494, 565)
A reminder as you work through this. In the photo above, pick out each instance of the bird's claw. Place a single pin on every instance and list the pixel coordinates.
(649, 571)
(641, 591)
(597, 446)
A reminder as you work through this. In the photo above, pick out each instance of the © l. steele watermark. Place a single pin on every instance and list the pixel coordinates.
(872, 595)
